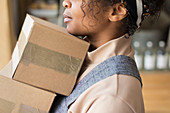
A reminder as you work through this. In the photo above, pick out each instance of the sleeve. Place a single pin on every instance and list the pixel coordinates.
(110, 104)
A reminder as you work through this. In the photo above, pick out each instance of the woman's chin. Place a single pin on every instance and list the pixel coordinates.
(72, 32)
(76, 32)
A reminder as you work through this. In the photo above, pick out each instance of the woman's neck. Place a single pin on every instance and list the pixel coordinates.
(96, 40)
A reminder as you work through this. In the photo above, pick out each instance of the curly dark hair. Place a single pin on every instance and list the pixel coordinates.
(154, 7)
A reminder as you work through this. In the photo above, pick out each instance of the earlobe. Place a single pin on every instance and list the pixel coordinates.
(117, 12)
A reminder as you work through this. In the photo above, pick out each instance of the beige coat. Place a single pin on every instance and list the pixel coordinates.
(115, 94)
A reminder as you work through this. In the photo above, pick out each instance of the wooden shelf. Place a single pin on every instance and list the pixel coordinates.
(156, 91)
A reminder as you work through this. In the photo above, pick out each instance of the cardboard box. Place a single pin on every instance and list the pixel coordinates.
(46, 56)
(16, 97)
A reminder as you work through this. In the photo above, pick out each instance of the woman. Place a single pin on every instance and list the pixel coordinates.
(109, 81)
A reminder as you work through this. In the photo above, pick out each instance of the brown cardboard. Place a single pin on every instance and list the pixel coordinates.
(48, 57)
(16, 96)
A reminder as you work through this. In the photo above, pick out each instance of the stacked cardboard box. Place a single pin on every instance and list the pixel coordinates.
(16, 97)
(47, 58)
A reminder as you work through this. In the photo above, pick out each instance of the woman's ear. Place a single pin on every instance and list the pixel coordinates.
(117, 12)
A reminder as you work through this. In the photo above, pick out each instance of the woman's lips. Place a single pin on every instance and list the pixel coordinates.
(67, 18)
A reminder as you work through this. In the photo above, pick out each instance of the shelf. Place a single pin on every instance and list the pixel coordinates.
(42, 13)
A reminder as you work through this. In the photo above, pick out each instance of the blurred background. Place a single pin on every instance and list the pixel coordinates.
(151, 43)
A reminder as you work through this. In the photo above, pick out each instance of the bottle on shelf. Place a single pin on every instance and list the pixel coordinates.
(138, 54)
(162, 57)
(149, 57)
(169, 60)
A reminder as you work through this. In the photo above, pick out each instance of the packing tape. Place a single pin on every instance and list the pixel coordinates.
(28, 109)
(34, 54)
(6, 106)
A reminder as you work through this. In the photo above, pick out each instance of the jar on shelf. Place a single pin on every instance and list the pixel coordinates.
(149, 57)
(162, 57)
(138, 54)
(168, 59)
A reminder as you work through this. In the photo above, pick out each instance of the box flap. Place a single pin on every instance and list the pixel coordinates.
(46, 23)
